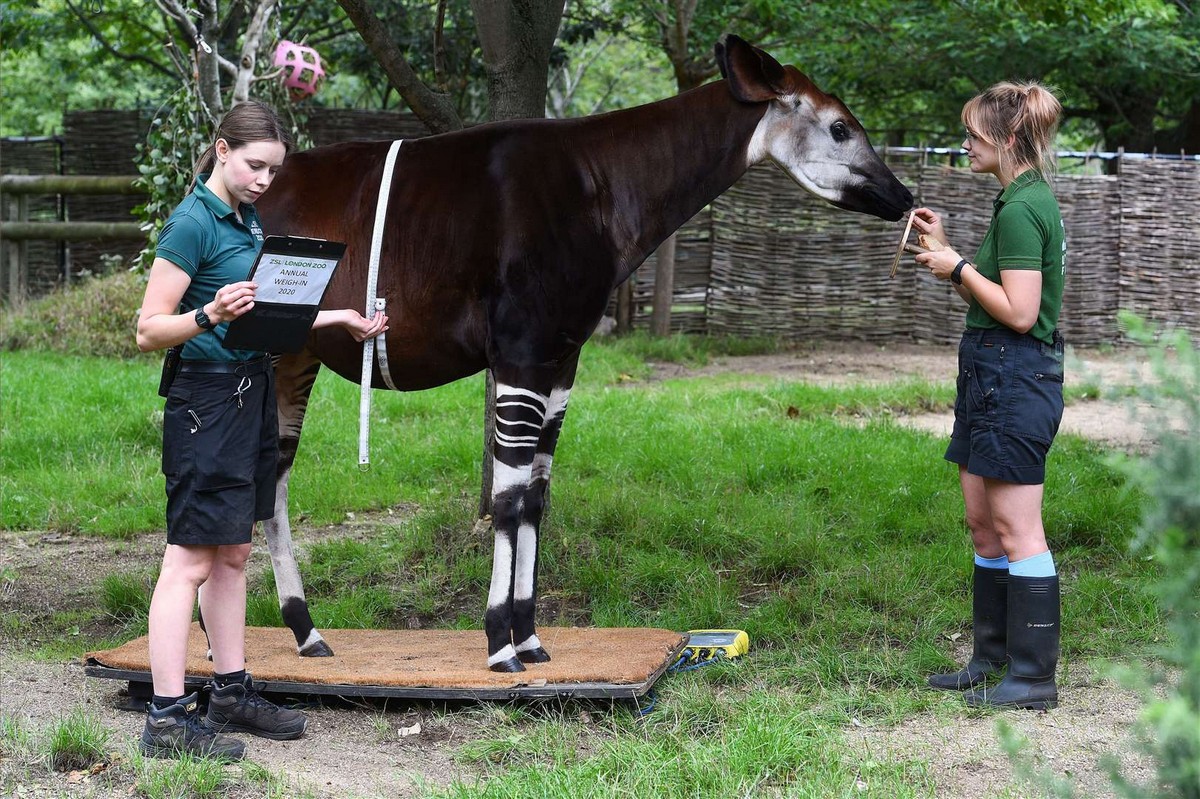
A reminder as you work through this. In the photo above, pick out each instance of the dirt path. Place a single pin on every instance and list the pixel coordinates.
(41, 575)
(1114, 423)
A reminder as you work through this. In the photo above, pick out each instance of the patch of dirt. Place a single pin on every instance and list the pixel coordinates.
(358, 750)
(1111, 422)
(966, 758)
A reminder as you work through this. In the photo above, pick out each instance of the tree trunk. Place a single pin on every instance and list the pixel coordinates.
(625, 306)
(675, 30)
(208, 67)
(664, 288)
(1189, 129)
(516, 37)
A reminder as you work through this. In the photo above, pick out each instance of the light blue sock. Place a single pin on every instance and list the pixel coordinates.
(991, 563)
(1036, 566)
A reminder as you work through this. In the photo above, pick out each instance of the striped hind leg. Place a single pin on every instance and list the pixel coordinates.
(294, 379)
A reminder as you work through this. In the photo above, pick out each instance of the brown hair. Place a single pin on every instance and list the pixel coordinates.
(248, 121)
(1027, 113)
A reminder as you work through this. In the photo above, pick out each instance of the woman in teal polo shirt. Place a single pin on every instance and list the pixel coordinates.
(219, 439)
(1009, 402)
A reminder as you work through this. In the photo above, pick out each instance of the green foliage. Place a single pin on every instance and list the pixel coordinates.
(1168, 482)
(77, 742)
(50, 63)
(1170, 533)
(1127, 71)
(96, 316)
(178, 134)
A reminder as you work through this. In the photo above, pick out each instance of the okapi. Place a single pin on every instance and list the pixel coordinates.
(501, 247)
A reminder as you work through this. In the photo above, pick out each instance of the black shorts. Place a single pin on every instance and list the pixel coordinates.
(1009, 405)
(220, 456)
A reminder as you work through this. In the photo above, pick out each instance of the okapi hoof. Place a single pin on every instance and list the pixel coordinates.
(510, 665)
(317, 649)
(535, 655)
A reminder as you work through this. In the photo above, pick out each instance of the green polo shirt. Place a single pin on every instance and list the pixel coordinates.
(204, 238)
(1026, 233)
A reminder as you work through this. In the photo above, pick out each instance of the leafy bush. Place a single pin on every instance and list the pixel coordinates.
(1170, 533)
(97, 316)
(178, 135)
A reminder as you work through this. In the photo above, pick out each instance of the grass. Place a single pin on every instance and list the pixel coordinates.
(77, 742)
(81, 743)
(801, 514)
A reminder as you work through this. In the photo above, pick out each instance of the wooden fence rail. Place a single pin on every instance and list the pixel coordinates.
(16, 229)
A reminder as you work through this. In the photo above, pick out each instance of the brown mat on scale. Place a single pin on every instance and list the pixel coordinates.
(428, 658)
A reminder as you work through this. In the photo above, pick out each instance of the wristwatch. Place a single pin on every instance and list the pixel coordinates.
(203, 320)
(956, 275)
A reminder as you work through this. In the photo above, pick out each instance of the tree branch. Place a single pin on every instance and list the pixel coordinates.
(99, 38)
(254, 34)
(434, 108)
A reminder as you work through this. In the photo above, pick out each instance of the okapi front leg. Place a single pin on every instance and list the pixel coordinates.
(519, 417)
(529, 647)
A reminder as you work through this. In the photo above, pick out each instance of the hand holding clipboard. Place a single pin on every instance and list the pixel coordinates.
(292, 275)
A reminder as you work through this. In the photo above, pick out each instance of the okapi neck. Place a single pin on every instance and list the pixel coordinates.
(662, 163)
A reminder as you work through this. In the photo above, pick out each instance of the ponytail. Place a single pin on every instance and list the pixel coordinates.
(1020, 120)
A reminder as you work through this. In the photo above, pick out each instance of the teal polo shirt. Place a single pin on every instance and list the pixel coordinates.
(1026, 232)
(204, 238)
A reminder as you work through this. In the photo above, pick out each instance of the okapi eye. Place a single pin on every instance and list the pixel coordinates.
(839, 131)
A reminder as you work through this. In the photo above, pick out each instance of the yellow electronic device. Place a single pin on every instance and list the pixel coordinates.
(708, 644)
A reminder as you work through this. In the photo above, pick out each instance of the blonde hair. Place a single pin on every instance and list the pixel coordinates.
(1027, 114)
(248, 121)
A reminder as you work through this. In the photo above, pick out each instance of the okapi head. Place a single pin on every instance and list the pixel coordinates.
(811, 135)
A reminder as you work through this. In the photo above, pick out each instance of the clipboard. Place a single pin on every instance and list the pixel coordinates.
(292, 274)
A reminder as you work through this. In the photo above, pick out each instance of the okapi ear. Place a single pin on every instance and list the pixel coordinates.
(753, 75)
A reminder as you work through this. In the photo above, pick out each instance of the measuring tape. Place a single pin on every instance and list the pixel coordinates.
(375, 305)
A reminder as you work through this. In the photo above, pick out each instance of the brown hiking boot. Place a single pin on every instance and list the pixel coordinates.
(240, 707)
(179, 730)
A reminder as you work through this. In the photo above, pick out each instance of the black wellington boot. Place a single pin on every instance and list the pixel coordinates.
(1033, 640)
(990, 606)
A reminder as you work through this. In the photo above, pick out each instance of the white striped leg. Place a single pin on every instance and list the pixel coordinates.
(528, 647)
(519, 417)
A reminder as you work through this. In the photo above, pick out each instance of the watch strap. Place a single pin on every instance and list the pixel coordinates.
(202, 319)
(956, 275)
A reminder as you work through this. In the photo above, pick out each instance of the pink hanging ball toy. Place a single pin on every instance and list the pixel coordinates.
(301, 68)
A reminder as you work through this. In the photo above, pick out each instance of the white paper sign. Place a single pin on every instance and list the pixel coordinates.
(292, 279)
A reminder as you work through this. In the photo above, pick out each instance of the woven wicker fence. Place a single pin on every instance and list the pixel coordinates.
(101, 142)
(37, 157)
(766, 258)
(785, 264)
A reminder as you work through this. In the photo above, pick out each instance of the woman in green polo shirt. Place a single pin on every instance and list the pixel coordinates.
(220, 435)
(1009, 402)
